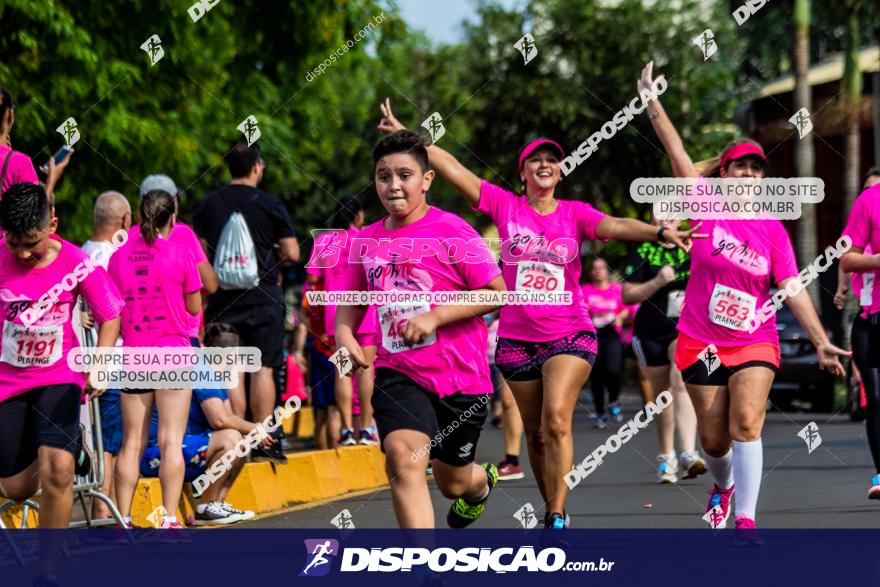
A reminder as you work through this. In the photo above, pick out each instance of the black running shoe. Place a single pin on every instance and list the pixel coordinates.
(463, 513)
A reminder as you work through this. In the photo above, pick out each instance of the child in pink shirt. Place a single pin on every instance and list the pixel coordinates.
(348, 220)
(431, 391)
(41, 276)
(161, 286)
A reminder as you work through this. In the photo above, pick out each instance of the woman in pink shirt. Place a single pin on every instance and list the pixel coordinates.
(863, 228)
(161, 285)
(727, 363)
(605, 304)
(546, 352)
(39, 393)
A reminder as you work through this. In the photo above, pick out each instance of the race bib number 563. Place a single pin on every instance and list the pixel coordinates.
(392, 319)
(731, 308)
(36, 346)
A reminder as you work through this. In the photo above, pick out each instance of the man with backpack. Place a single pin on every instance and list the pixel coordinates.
(249, 236)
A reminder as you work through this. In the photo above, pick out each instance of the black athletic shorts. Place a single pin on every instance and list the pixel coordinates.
(453, 424)
(257, 326)
(698, 374)
(44, 416)
(653, 351)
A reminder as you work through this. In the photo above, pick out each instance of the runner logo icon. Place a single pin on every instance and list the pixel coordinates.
(319, 556)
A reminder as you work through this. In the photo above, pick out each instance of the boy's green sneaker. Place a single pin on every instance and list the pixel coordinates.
(464, 513)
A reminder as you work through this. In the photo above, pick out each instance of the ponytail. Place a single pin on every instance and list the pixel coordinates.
(157, 208)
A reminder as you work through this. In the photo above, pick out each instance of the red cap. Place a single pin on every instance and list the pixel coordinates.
(530, 148)
(743, 150)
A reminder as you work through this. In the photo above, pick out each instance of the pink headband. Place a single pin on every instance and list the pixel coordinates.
(531, 147)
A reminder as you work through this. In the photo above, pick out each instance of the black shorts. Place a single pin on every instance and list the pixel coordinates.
(873, 324)
(698, 374)
(44, 416)
(653, 351)
(257, 326)
(860, 338)
(453, 424)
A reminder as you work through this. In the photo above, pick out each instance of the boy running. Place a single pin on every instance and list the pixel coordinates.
(431, 394)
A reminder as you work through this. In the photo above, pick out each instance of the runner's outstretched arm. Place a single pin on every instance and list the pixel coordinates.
(805, 313)
(856, 261)
(630, 229)
(682, 166)
(461, 178)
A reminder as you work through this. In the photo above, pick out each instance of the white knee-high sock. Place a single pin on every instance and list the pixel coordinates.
(721, 469)
(748, 467)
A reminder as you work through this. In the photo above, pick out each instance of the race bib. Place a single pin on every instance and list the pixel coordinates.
(392, 318)
(731, 308)
(866, 297)
(36, 346)
(675, 303)
(538, 276)
(602, 320)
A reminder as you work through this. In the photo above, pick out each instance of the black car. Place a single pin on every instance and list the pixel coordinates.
(799, 376)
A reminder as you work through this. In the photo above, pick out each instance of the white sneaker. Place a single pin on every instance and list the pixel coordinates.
(667, 465)
(243, 514)
(690, 465)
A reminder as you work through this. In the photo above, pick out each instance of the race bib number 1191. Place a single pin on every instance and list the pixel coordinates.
(35, 346)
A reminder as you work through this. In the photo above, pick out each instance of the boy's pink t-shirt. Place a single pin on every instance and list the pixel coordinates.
(732, 272)
(36, 356)
(20, 168)
(183, 235)
(153, 279)
(863, 227)
(334, 278)
(530, 262)
(603, 304)
(451, 360)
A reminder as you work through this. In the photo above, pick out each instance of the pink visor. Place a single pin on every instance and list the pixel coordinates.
(743, 150)
(531, 147)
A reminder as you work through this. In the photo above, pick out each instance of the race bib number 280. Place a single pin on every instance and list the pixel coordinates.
(731, 308)
(34, 346)
(538, 276)
(392, 319)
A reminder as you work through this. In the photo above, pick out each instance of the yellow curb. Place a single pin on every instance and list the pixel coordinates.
(309, 479)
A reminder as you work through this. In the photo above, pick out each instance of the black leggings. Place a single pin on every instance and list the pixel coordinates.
(607, 370)
(866, 355)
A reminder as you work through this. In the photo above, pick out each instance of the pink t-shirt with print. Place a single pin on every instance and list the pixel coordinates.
(153, 279)
(20, 169)
(183, 235)
(540, 253)
(732, 272)
(36, 356)
(863, 227)
(453, 359)
(334, 278)
(603, 304)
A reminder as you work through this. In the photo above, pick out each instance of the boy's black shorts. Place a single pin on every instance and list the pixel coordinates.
(453, 423)
(43, 416)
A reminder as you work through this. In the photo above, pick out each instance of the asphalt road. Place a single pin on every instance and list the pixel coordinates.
(825, 489)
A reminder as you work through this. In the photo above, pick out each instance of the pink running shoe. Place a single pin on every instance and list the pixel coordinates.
(746, 533)
(874, 492)
(719, 497)
(172, 533)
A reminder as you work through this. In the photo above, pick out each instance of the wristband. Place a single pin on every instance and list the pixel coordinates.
(660, 237)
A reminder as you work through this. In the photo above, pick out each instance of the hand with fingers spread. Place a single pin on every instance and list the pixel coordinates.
(389, 124)
(829, 358)
(681, 238)
(647, 82)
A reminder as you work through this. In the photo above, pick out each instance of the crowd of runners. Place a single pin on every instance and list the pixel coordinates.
(424, 374)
